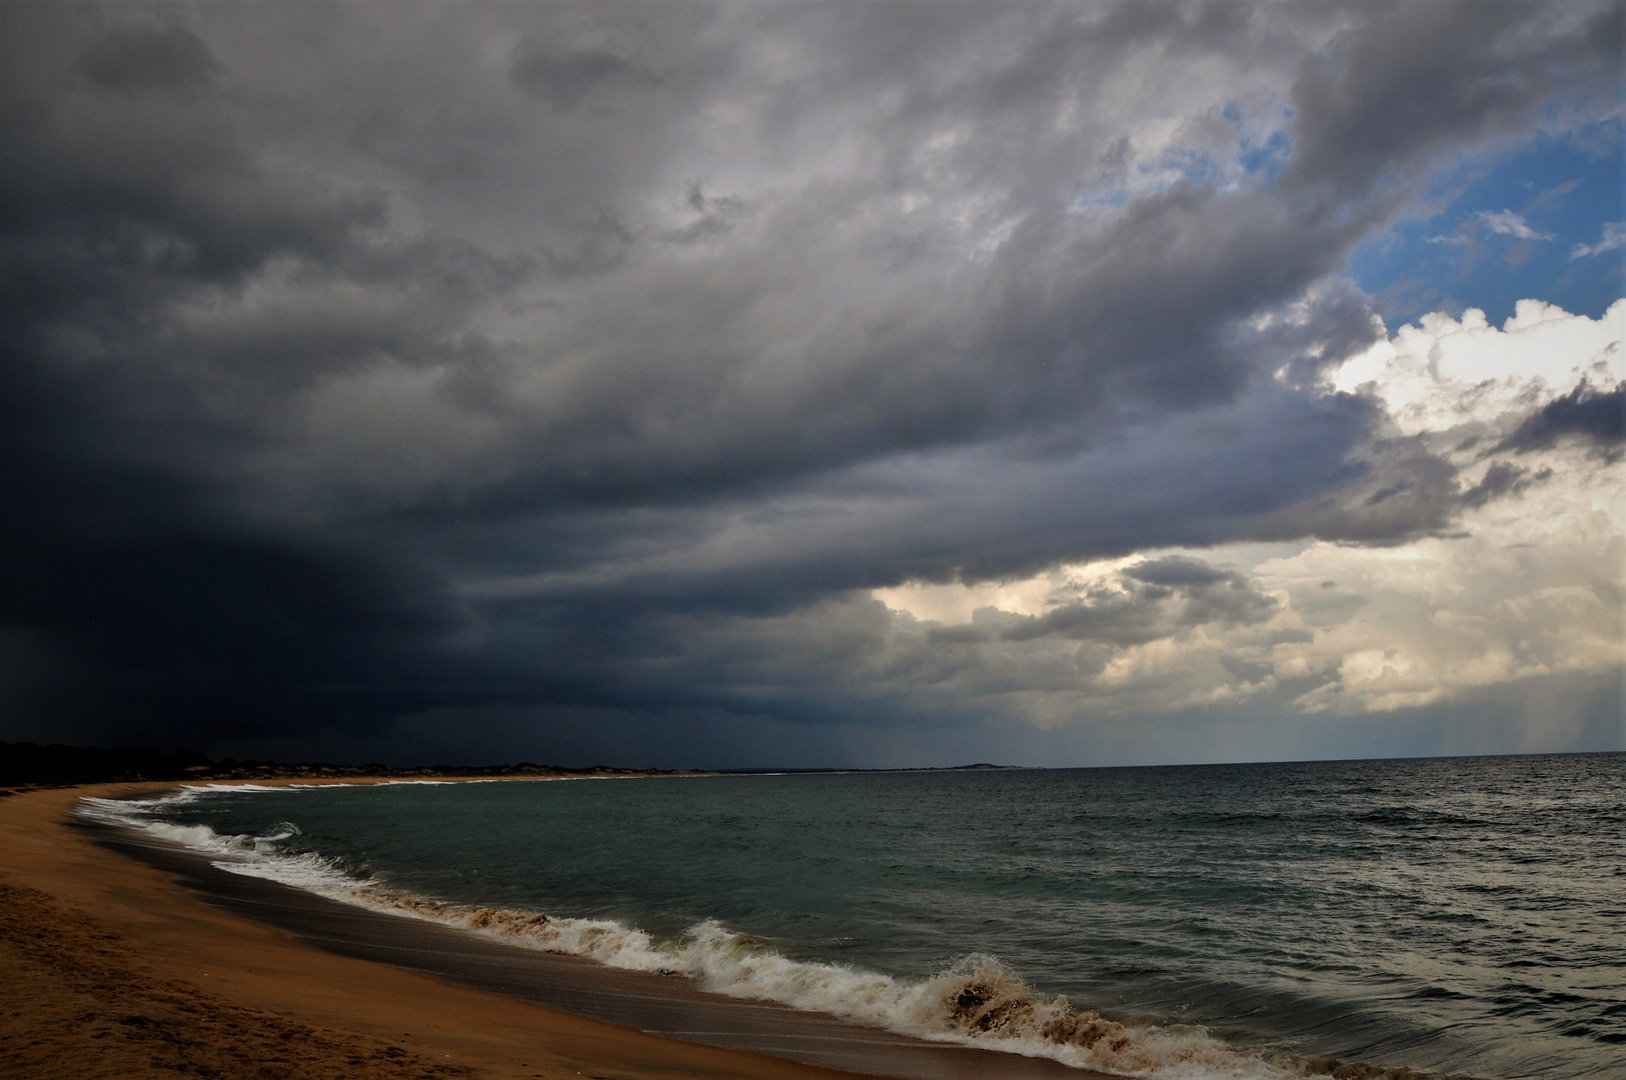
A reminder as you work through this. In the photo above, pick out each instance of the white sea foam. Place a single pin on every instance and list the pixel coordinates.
(974, 1002)
(255, 856)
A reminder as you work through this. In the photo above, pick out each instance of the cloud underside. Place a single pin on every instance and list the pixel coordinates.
(824, 364)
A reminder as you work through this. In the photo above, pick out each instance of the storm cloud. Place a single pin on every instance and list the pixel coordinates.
(364, 361)
(1585, 412)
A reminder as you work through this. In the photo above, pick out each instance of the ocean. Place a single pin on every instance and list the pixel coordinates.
(1452, 916)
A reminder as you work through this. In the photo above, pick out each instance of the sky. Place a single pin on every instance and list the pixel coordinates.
(795, 384)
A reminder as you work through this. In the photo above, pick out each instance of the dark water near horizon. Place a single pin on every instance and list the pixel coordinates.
(1451, 915)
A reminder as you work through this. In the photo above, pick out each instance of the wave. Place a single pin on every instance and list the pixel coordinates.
(975, 1001)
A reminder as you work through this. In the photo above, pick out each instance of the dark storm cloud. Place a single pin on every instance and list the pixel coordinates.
(1180, 570)
(565, 79)
(1502, 479)
(160, 603)
(158, 614)
(1399, 490)
(1416, 78)
(363, 360)
(149, 57)
(1261, 468)
(1585, 412)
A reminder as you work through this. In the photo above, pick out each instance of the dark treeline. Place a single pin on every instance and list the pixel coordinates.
(30, 764)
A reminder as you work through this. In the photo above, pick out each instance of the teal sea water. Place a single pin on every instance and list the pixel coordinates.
(1459, 916)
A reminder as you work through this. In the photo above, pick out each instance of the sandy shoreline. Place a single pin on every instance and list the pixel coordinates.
(110, 966)
(108, 969)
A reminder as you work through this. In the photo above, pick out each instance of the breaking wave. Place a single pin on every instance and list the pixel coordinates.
(974, 1001)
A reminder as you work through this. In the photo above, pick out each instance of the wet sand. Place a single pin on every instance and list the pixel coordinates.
(158, 964)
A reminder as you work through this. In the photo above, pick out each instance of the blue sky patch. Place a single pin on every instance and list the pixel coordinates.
(1535, 225)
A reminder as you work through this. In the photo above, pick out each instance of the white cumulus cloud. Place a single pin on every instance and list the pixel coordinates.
(1444, 372)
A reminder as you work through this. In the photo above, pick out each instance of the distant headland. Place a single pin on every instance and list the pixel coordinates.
(27, 764)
